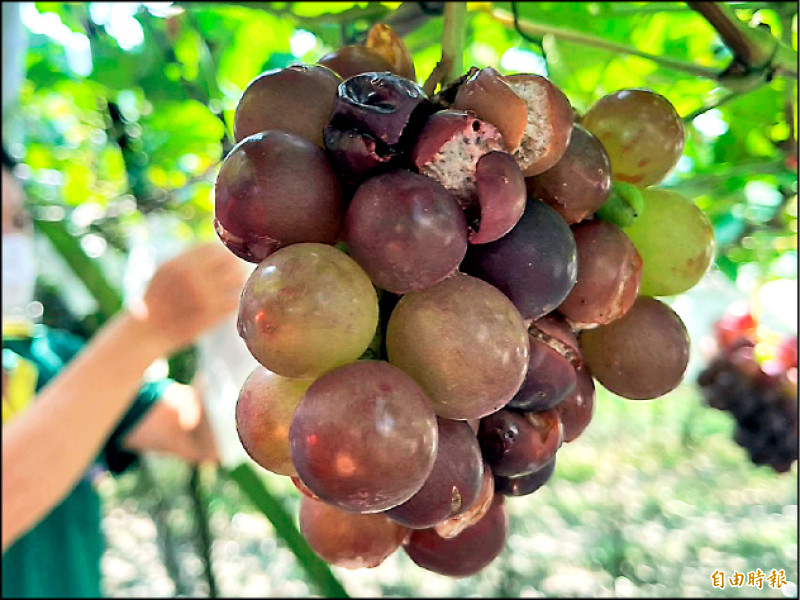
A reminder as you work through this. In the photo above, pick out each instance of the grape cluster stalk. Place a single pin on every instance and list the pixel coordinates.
(441, 281)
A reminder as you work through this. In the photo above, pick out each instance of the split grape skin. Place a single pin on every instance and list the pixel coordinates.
(642, 355)
(306, 309)
(524, 485)
(364, 437)
(580, 183)
(609, 274)
(491, 99)
(273, 189)
(554, 355)
(515, 443)
(577, 409)
(406, 231)
(468, 552)
(264, 412)
(454, 483)
(298, 99)
(347, 539)
(464, 342)
(501, 196)
(535, 264)
(642, 133)
(467, 518)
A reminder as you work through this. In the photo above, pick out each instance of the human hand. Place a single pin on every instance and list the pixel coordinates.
(190, 294)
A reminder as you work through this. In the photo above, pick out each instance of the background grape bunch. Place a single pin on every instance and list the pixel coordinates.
(754, 377)
(440, 280)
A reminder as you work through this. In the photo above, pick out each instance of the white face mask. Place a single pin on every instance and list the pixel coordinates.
(19, 274)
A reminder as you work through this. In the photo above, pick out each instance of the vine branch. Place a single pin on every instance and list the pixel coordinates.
(755, 49)
(539, 29)
(453, 36)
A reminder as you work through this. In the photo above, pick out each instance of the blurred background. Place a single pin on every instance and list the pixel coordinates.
(119, 114)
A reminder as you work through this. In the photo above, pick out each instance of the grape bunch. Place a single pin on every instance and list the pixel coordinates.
(761, 395)
(440, 280)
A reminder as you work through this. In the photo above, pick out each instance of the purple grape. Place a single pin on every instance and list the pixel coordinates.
(535, 264)
(523, 485)
(406, 231)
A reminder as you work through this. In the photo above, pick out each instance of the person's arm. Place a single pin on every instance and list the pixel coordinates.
(177, 424)
(47, 448)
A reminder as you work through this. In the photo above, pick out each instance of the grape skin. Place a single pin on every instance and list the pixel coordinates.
(464, 342)
(642, 133)
(675, 240)
(306, 309)
(364, 437)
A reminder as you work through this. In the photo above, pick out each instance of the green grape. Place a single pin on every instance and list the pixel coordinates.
(306, 309)
(624, 205)
(642, 133)
(674, 239)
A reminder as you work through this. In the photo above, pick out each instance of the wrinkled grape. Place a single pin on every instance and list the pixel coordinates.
(364, 437)
(464, 342)
(306, 309)
(406, 231)
(264, 412)
(641, 355)
(675, 240)
(454, 483)
(349, 540)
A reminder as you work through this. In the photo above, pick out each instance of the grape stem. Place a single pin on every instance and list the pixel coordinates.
(453, 36)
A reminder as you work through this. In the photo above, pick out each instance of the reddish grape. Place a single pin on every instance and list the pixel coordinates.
(501, 195)
(298, 99)
(306, 309)
(454, 483)
(641, 355)
(577, 409)
(516, 443)
(406, 231)
(349, 540)
(364, 437)
(524, 485)
(464, 342)
(535, 264)
(609, 274)
(276, 187)
(264, 412)
(580, 182)
(468, 552)
(349, 61)
(642, 133)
